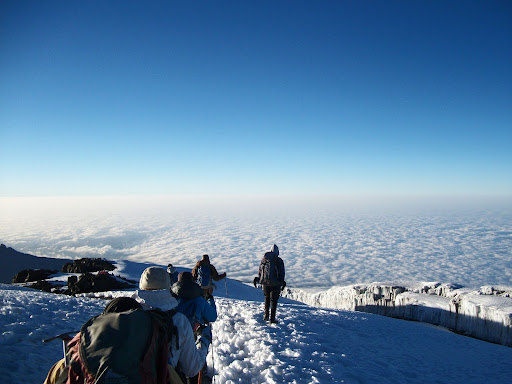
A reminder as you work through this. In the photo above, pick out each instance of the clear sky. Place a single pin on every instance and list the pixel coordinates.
(255, 97)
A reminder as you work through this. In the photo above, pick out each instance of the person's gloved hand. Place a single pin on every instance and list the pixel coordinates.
(256, 281)
(283, 286)
(205, 335)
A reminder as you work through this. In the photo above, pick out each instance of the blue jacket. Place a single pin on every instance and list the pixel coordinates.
(192, 303)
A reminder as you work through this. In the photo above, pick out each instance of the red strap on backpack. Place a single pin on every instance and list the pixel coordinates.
(160, 347)
(77, 372)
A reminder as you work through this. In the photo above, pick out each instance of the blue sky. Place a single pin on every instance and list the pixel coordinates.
(256, 97)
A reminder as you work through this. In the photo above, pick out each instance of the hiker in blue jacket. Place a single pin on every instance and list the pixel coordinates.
(191, 303)
(200, 311)
(271, 277)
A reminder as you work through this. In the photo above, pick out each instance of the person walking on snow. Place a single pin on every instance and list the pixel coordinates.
(173, 273)
(198, 309)
(271, 277)
(154, 293)
(205, 273)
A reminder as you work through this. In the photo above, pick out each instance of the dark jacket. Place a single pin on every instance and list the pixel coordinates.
(173, 274)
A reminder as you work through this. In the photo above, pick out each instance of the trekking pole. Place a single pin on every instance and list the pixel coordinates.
(65, 337)
(213, 357)
(226, 284)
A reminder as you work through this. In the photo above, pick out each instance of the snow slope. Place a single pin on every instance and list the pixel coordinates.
(310, 345)
(13, 262)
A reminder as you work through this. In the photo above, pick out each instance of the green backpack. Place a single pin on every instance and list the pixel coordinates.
(127, 347)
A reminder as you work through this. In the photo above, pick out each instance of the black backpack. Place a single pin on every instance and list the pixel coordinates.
(127, 347)
(269, 270)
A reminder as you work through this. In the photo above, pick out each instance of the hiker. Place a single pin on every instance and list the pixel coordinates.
(191, 302)
(117, 305)
(200, 311)
(271, 277)
(154, 293)
(205, 273)
(173, 273)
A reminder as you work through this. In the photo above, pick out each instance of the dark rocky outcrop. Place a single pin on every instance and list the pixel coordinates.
(28, 275)
(87, 265)
(94, 273)
(100, 282)
(45, 286)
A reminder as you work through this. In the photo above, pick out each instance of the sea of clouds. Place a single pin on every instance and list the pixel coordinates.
(323, 243)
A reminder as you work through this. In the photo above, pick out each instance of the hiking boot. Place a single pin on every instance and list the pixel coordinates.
(265, 317)
(274, 321)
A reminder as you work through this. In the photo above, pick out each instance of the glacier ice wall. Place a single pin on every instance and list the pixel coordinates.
(485, 313)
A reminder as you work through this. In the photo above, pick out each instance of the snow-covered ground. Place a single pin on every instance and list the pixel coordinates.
(310, 345)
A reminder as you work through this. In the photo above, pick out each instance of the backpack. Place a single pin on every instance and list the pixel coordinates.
(204, 276)
(127, 347)
(269, 270)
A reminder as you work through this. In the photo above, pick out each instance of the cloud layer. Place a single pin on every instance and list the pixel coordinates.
(321, 246)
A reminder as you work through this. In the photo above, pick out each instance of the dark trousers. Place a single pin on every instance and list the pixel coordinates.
(271, 296)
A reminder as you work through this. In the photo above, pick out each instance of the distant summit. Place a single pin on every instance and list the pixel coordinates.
(14, 261)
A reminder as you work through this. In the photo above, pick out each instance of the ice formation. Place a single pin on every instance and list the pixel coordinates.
(485, 313)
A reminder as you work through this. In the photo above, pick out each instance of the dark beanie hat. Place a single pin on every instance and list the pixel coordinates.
(121, 304)
(183, 276)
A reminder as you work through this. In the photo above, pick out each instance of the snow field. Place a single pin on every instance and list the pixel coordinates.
(26, 318)
(309, 345)
(314, 345)
(251, 351)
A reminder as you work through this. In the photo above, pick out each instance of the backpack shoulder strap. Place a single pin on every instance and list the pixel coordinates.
(164, 320)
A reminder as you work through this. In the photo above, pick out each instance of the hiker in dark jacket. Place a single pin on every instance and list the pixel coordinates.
(191, 303)
(173, 273)
(271, 277)
(205, 273)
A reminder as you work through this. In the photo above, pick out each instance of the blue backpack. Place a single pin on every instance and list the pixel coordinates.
(204, 276)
